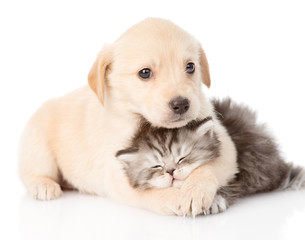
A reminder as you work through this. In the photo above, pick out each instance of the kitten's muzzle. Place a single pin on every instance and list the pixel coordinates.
(179, 105)
(171, 171)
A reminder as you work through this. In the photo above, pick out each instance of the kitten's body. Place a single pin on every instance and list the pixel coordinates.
(261, 168)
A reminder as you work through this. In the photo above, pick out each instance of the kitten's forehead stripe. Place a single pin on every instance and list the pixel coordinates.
(173, 139)
(153, 147)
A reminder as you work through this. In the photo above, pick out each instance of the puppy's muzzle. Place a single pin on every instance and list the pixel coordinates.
(179, 105)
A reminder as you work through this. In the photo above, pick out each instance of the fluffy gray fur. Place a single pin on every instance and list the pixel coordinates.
(261, 167)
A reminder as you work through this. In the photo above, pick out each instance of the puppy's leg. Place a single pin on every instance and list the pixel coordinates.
(199, 189)
(164, 200)
(37, 167)
(43, 187)
(160, 200)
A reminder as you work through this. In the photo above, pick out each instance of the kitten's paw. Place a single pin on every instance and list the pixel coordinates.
(219, 205)
(43, 188)
(196, 198)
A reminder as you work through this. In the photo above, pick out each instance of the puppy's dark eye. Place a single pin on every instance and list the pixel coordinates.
(180, 160)
(157, 166)
(190, 68)
(145, 73)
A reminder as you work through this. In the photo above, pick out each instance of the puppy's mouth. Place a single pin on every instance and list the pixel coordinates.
(177, 121)
(170, 119)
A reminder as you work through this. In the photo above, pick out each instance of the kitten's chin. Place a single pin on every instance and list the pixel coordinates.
(177, 183)
(162, 181)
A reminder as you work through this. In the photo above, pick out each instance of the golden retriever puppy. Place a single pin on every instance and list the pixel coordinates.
(154, 70)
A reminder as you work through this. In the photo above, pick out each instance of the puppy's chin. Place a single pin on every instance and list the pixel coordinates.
(173, 122)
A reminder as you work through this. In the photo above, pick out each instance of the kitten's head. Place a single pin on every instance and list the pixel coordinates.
(160, 157)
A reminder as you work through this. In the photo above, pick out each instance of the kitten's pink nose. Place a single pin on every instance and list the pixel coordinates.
(170, 171)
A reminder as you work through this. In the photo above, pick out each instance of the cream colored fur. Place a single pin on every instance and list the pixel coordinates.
(74, 138)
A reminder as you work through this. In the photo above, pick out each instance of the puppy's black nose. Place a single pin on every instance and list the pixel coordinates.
(179, 105)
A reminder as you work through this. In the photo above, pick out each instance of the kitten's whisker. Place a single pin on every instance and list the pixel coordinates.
(218, 113)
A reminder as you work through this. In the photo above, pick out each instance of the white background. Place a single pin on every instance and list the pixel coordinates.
(256, 51)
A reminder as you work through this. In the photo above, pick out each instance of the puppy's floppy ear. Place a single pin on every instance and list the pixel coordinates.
(205, 72)
(97, 74)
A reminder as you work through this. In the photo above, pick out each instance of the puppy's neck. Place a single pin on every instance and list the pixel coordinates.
(206, 110)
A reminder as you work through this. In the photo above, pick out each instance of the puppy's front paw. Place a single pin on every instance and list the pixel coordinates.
(219, 205)
(163, 200)
(171, 200)
(196, 198)
(44, 188)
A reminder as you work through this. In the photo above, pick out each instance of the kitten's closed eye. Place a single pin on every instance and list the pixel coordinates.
(157, 167)
(180, 160)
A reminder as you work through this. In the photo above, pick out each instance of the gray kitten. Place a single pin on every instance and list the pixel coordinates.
(160, 157)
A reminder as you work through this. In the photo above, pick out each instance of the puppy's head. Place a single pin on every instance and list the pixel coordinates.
(155, 69)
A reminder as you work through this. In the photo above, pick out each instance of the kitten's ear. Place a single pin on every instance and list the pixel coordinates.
(126, 156)
(206, 128)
